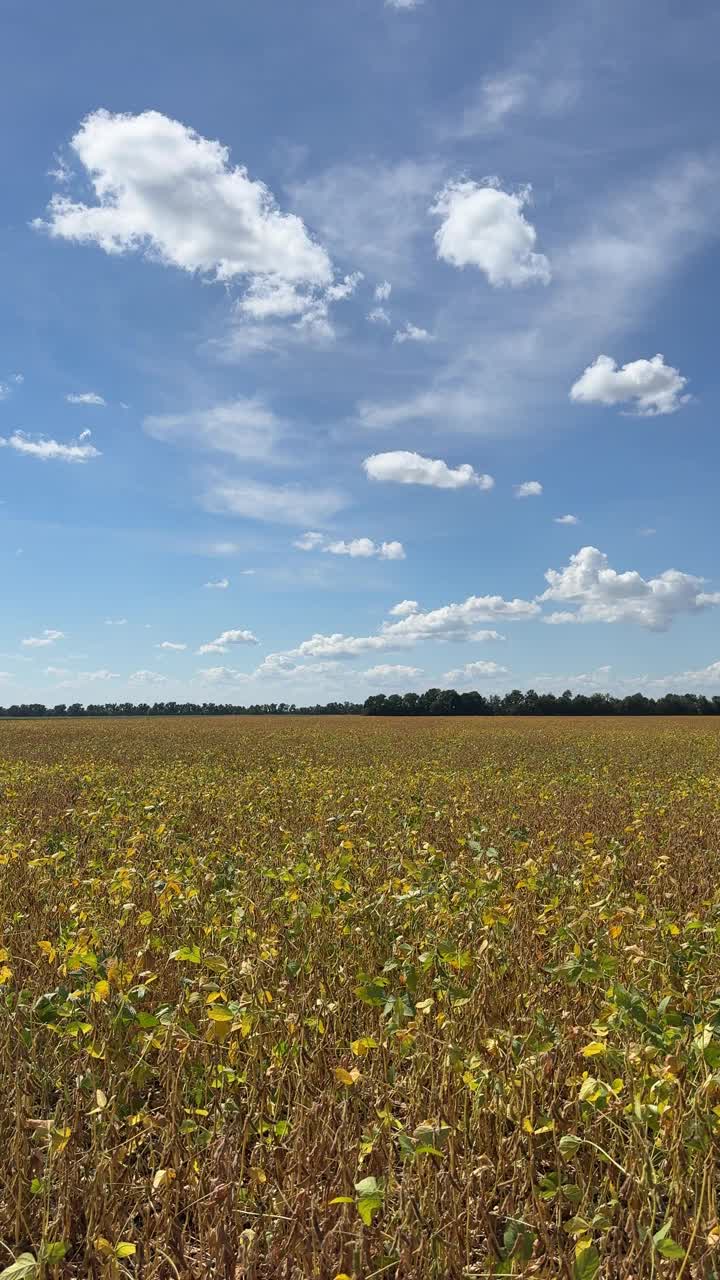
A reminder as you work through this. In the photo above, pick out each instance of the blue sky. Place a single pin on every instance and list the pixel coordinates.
(317, 320)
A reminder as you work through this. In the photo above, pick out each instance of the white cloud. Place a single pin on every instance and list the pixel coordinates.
(401, 467)
(344, 288)
(528, 489)
(116, 622)
(385, 673)
(601, 594)
(270, 299)
(75, 679)
(486, 636)
(170, 644)
(476, 671)
(147, 677)
(383, 291)
(499, 97)
(48, 637)
(50, 450)
(709, 675)
(650, 386)
(6, 388)
(85, 397)
(309, 542)
(483, 226)
(412, 333)
(606, 277)
(379, 315)
(404, 608)
(362, 548)
(569, 519)
(509, 93)
(456, 622)
(403, 4)
(647, 532)
(220, 584)
(244, 428)
(220, 675)
(227, 640)
(284, 504)
(165, 191)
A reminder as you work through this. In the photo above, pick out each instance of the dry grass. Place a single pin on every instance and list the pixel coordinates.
(409, 999)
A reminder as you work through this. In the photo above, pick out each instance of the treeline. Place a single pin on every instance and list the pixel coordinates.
(434, 702)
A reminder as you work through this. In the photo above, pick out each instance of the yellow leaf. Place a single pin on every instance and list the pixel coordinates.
(162, 1177)
(48, 950)
(125, 1250)
(101, 1099)
(101, 991)
(348, 1078)
(4, 953)
(592, 1050)
(363, 1046)
(145, 917)
(5, 974)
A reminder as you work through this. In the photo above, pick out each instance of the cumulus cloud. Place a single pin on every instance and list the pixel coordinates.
(528, 489)
(309, 541)
(649, 387)
(219, 675)
(278, 504)
(475, 671)
(227, 640)
(244, 428)
(412, 333)
(48, 636)
(404, 608)
(568, 519)
(220, 584)
(270, 299)
(401, 467)
(116, 622)
(456, 622)
(600, 594)
(383, 291)
(170, 644)
(379, 315)
(86, 397)
(484, 227)
(166, 192)
(362, 548)
(47, 450)
(385, 673)
(147, 677)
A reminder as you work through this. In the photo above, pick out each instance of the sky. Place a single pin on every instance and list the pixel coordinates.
(358, 346)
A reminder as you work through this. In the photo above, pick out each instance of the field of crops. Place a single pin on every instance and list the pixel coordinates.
(360, 998)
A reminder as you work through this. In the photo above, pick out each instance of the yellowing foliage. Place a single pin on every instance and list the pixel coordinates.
(511, 927)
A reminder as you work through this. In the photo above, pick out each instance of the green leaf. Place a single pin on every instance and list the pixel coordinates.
(569, 1145)
(24, 1266)
(369, 1198)
(670, 1248)
(191, 954)
(587, 1262)
(53, 1253)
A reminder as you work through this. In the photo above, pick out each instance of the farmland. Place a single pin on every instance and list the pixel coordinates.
(288, 998)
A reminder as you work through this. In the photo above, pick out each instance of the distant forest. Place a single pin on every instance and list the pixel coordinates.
(434, 702)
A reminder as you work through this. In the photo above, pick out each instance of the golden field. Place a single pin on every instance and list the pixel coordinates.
(321, 998)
